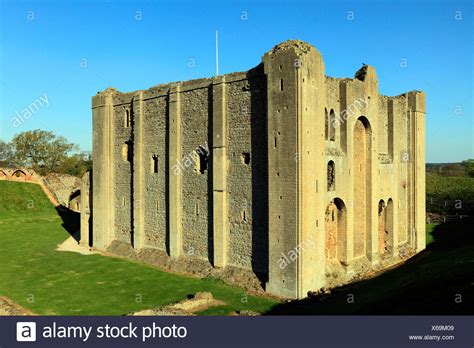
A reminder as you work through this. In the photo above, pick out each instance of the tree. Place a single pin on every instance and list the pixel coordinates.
(75, 165)
(469, 165)
(41, 150)
(6, 153)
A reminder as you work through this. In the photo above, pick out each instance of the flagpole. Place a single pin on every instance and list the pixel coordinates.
(217, 53)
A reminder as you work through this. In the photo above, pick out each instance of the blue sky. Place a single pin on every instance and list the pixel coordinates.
(70, 50)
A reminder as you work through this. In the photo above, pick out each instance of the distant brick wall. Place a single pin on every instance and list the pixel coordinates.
(28, 175)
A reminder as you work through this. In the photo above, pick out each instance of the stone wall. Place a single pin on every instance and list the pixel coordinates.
(66, 188)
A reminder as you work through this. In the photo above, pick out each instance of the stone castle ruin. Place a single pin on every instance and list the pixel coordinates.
(300, 180)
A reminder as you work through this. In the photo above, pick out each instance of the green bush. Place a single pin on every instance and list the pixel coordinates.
(449, 194)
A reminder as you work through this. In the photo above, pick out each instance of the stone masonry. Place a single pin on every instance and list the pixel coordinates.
(303, 180)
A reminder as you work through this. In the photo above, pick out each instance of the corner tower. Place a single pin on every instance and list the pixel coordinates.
(296, 98)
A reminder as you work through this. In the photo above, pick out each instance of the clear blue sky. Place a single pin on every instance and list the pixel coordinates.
(133, 45)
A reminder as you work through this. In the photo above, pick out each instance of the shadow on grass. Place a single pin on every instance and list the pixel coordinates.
(71, 221)
(437, 281)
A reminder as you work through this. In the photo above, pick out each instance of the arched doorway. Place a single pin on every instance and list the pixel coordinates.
(336, 227)
(75, 200)
(3, 175)
(362, 162)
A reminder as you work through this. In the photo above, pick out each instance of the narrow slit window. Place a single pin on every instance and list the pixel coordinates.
(127, 118)
(244, 215)
(154, 164)
(281, 84)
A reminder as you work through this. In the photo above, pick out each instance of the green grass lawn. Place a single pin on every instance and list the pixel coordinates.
(50, 282)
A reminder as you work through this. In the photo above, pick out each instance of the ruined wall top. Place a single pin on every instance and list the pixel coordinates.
(366, 74)
(297, 45)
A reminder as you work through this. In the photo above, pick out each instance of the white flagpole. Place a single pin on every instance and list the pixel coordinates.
(217, 54)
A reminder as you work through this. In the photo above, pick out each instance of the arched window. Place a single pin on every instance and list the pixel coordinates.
(75, 200)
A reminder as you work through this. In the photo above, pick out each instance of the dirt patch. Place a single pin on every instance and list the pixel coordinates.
(10, 308)
(72, 245)
(199, 302)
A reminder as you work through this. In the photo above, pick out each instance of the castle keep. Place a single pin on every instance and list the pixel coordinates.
(303, 180)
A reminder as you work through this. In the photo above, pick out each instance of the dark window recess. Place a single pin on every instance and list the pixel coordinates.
(332, 125)
(127, 118)
(331, 176)
(246, 158)
(326, 124)
(154, 164)
(202, 160)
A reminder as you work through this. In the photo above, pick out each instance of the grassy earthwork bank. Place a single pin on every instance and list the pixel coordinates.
(50, 282)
